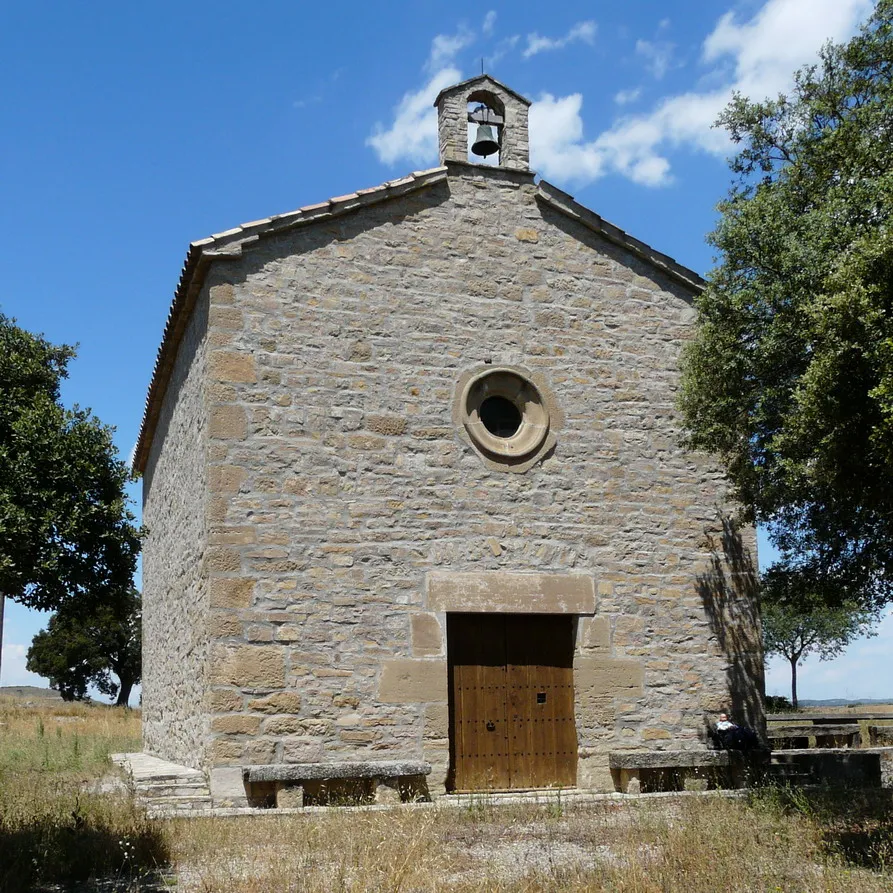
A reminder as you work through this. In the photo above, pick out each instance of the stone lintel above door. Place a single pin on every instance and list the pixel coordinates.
(511, 593)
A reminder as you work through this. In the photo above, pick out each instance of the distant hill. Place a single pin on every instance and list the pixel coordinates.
(843, 702)
(29, 691)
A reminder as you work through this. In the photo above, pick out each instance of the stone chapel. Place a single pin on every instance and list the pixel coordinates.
(415, 494)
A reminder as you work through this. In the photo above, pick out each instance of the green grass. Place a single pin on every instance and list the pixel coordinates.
(55, 827)
(58, 832)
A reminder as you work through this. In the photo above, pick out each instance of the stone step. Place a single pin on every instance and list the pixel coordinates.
(166, 803)
(164, 787)
(173, 790)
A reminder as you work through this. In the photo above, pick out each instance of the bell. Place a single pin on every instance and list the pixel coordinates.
(485, 142)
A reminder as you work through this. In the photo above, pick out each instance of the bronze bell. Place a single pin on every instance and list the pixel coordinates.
(485, 142)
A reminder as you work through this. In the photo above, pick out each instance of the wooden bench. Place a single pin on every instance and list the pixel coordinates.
(644, 771)
(388, 781)
(797, 736)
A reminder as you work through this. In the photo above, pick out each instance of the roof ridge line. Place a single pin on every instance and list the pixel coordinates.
(567, 204)
(227, 245)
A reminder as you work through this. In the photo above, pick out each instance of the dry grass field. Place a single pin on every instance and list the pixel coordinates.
(59, 831)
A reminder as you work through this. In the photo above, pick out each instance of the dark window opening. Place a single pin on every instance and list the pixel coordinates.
(500, 416)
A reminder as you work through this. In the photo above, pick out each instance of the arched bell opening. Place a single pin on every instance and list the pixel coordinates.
(486, 120)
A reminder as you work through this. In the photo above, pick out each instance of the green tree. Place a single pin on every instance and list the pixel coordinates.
(67, 536)
(789, 379)
(797, 624)
(83, 647)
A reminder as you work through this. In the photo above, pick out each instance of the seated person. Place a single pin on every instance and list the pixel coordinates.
(731, 736)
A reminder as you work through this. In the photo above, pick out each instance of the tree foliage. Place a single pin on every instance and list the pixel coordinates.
(790, 377)
(66, 533)
(797, 624)
(82, 647)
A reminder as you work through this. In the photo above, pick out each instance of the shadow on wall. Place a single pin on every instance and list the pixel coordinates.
(729, 592)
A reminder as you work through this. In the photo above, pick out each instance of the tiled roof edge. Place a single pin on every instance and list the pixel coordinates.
(229, 244)
(566, 203)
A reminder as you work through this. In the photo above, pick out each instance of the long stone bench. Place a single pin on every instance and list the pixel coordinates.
(637, 771)
(391, 780)
(880, 736)
(797, 736)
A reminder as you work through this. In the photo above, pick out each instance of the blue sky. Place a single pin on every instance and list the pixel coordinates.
(129, 130)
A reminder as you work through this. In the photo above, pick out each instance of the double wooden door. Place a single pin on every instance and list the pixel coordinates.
(511, 701)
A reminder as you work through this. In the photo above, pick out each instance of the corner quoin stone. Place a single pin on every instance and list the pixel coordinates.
(249, 666)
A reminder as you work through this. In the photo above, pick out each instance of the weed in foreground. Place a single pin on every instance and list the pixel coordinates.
(55, 827)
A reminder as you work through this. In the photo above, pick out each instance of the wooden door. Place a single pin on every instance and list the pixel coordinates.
(479, 733)
(511, 701)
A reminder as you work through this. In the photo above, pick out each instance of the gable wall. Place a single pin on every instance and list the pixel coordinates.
(339, 482)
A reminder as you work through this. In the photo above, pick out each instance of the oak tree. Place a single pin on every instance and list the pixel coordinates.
(797, 624)
(84, 646)
(789, 379)
(67, 536)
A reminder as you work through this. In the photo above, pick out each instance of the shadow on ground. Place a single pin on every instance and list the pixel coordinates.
(78, 853)
(855, 824)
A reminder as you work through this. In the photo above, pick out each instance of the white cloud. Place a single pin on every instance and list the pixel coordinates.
(625, 97)
(413, 135)
(583, 32)
(504, 46)
(445, 48)
(13, 667)
(489, 22)
(658, 55)
(757, 58)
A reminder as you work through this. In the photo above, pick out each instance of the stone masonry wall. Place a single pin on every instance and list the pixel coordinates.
(340, 487)
(175, 597)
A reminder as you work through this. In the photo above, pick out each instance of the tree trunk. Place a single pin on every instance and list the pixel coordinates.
(794, 683)
(124, 692)
(2, 600)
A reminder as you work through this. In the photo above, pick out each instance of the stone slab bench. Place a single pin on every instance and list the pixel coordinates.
(797, 736)
(391, 779)
(633, 767)
(880, 736)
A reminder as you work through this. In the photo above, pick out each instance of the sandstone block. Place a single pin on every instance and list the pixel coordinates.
(412, 681)
(283, 725)
(225, 750)
(227, 422)
(234, 535)
(595, 633)
(525, 234)
(278, 702)
(232, 592)
(235, 724)
(228, 319)
(225, 478)
(222, 294)
(437, 721)
(249, 666)
(224, 700)
(427, 636)
(290, 796)
(386, 424)
(223, 560)
(232, 366)
(224, 624)
(259, 751)
(511, 593)
(600, 676)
